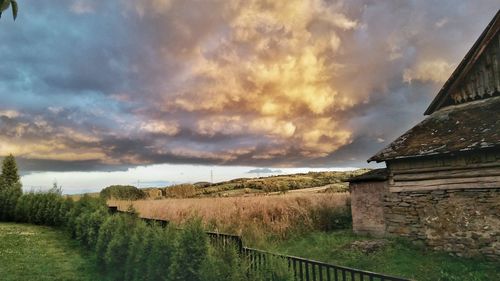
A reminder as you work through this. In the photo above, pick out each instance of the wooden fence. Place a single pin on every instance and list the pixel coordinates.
(303, 269)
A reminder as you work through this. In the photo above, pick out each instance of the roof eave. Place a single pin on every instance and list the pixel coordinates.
(447, 153)
(376, 159)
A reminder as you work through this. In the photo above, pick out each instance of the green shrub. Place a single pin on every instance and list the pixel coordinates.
(37, 209)
(29, 209)
(85, 204)
(162, 251)
(190, 253)
(9, 195)
(116, 254)
(64, 211)
(224, 265)
(87, 226)
(106, 233)
(95, 220)
(276, 269)
(138, 252)
(182, 191)
(23, 207)
(122, 192)
(53, 202)
(9, 176)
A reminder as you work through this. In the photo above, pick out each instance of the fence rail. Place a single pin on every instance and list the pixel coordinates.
(306, 269)
(303, 269)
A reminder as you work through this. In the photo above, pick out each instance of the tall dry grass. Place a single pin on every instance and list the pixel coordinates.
(252, 217)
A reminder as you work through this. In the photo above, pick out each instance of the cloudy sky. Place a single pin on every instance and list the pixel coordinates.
(95, 92)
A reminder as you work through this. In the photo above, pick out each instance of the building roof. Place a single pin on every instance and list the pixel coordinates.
(465, 65)
(465, 113)
(463, 127)
(373, 175)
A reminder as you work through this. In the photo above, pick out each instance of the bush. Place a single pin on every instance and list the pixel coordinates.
(116, 254)
(276, 269)
(9, 194)
(122, 192)
(182, 191)
(224, 265)
(22, 208)
(9, 176)
(85, 205)
(87, 226)
(64, 211)
(138, 252)
(112, 226)
(106, 233)
(190, 253)
(162, 251)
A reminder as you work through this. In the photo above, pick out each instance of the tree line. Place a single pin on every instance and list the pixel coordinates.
(125, 247)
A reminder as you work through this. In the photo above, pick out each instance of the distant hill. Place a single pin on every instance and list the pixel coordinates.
(330, 181)
(302, 182)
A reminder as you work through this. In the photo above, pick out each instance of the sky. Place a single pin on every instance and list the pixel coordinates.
(156, 92)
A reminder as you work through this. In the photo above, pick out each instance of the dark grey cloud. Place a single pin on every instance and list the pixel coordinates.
(27, 166)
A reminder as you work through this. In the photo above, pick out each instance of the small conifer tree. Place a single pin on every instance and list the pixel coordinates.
(10, 176)
(190, 254)
(10, 188)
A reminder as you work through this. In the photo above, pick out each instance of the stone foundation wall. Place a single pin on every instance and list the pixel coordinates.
(367, 207)
(465, 222)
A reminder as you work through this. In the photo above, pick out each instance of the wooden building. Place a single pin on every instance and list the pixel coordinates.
(442, 181)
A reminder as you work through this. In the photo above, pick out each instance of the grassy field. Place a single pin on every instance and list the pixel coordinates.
(397, 257)
(252, 217)
(30, 252)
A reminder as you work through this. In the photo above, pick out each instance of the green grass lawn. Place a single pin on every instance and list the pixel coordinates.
(398, 258)
(29, 252)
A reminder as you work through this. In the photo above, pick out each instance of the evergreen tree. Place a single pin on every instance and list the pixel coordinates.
(9, 176)
(10, 188)
(190, 253)
(8, 199)
(162, 249)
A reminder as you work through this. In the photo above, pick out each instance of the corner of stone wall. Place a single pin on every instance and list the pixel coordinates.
(463, 222)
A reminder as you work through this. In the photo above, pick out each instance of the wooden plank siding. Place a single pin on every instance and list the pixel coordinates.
(478, 169)
(483, 80)
(446, 184)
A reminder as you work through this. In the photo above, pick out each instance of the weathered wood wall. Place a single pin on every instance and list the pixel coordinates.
(483, 80)
(480, 169)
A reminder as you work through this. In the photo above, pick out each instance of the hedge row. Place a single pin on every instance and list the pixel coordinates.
(128, 249)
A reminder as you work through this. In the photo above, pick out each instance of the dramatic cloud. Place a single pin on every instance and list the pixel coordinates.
(106, 85)
(434, 71)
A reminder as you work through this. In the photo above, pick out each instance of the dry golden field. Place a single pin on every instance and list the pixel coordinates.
(253, 217)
